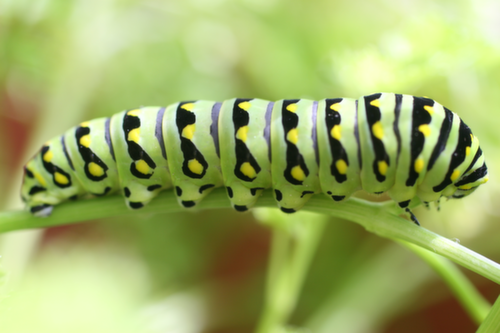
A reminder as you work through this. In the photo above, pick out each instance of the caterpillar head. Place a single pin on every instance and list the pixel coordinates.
(34, 191)
(46, 183)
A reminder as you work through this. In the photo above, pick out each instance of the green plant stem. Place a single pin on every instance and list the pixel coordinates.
(492, 322)
(473, 302)
(371, 216)
(295, 239)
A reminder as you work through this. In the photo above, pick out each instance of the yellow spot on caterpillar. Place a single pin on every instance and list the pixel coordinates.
(85, 124)
(188, 131)
(60, 178)
(85, 140)
(382, 167)
(471, 137)
(248, 170)
(336, 132)
(419, 165)
(47, 157)
(293, 136)
(292, 107)
(195, 166)
(425, 129)
(298, 173)
(454, 176)
(95, 169)
(245, 105)
(485, 179)
(465, 187)
(242, 133)
(40, 179)
(142, 167)
(335, 107)
(375, 102)
(467, 151)
(377, 130)
(429, 109)
(134, 135)
(341, 166)
(188, 106)
(134, 113)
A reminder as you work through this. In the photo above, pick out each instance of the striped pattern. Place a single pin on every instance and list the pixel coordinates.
(410, 147)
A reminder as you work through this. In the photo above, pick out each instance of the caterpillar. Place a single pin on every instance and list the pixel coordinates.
(408, 147)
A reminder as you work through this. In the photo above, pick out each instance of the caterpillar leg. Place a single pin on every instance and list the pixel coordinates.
(412, 216)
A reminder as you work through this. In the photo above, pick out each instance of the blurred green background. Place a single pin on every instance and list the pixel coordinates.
(62, 62)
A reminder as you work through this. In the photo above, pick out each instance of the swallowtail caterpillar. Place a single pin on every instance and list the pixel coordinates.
(409, 147)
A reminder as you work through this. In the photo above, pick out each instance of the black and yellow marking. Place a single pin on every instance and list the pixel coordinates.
(296, 169)
(373, 115)
(95, 169)
(479, 173)
(143, 165)
(422, 115)
(60, 178)
(194, 164)
(478, 154)
(452, 174)
(35, 188)
(444, 133)
(340, 158)
(246, 167)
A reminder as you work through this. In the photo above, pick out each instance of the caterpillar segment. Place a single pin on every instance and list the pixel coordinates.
(410, 147)
(294, 155)
(243, 131)
(140, 162)
(191, 152)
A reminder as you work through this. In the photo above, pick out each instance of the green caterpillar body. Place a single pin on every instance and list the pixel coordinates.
(410, 147)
